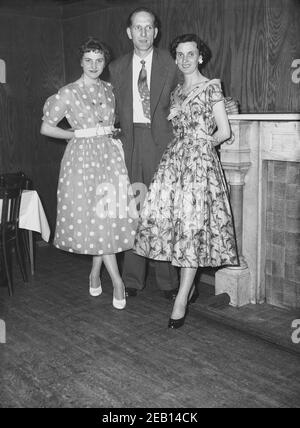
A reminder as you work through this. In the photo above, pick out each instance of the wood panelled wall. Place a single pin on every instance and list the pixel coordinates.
(32, 49)
(253, 42)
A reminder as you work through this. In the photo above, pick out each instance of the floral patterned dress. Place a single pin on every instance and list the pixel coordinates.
(186, 217)
(94, 213)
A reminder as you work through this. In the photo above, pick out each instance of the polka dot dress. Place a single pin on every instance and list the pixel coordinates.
(95, 211)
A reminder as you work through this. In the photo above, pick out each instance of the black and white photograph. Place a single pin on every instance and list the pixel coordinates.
(149, 207)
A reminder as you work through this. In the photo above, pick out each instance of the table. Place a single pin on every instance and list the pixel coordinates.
(33, 218)
(32, 214)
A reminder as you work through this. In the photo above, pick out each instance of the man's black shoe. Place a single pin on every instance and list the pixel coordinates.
(130, 292)
(170, 294)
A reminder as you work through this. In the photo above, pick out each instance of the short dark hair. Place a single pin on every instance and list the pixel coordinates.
(143, 9)
(203, 49)
(93, 45)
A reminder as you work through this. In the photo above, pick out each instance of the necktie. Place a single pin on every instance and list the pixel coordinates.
(144, 90)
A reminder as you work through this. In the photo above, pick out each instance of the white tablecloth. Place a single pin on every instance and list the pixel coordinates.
(32, 214)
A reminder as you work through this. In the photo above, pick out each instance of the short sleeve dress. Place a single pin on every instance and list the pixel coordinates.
(186, 218)
(95, 208)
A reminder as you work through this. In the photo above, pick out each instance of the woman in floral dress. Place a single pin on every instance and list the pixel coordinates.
(186, 218)
(94, 213)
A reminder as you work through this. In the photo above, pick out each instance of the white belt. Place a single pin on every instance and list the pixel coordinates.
(94, 132)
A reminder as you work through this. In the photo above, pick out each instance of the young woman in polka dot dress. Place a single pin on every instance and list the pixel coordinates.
(96, 211)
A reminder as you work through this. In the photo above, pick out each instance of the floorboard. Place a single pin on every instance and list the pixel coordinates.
(67, 349)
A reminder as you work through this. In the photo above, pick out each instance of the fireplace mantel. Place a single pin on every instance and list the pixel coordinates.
(273, 117)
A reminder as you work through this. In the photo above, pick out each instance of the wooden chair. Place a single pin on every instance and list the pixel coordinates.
(15, 180)
(9, 233)
(18, 180)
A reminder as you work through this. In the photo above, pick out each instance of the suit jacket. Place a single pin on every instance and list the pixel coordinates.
(164, 78)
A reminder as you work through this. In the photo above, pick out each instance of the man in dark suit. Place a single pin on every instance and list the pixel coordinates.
(143, 81)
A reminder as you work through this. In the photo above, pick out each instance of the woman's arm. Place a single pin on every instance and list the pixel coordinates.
(223, 128)
(56, 132)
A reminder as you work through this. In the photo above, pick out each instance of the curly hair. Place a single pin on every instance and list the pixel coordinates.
(203, 49)
(94, 45)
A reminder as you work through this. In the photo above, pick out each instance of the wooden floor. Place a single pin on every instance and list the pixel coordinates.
(67, 349)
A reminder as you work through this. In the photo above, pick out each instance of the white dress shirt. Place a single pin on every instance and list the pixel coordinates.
(138, 113)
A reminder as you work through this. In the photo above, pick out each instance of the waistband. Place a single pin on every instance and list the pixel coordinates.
(195, 133)
(94, 132)
(142, 125)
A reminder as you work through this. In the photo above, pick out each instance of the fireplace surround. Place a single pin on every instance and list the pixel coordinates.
(262, 170)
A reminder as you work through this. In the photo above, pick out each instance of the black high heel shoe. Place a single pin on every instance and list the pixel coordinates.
(193, 296)
(177, 323)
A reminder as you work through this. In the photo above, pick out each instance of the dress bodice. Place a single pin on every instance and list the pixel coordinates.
(193, 112)
(83, 107)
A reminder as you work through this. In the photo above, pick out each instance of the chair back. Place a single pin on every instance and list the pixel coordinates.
(15, 180)
(10, 200)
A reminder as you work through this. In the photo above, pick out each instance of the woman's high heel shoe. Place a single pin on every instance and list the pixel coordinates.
(95, 291)
(176, 323)
(180, 321)
(193, 296)
(119, 304)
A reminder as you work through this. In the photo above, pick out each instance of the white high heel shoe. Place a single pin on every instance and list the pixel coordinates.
(95, 292)
(119, 304)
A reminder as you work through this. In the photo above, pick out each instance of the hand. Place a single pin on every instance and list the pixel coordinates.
(116, 133)
(215, 142)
